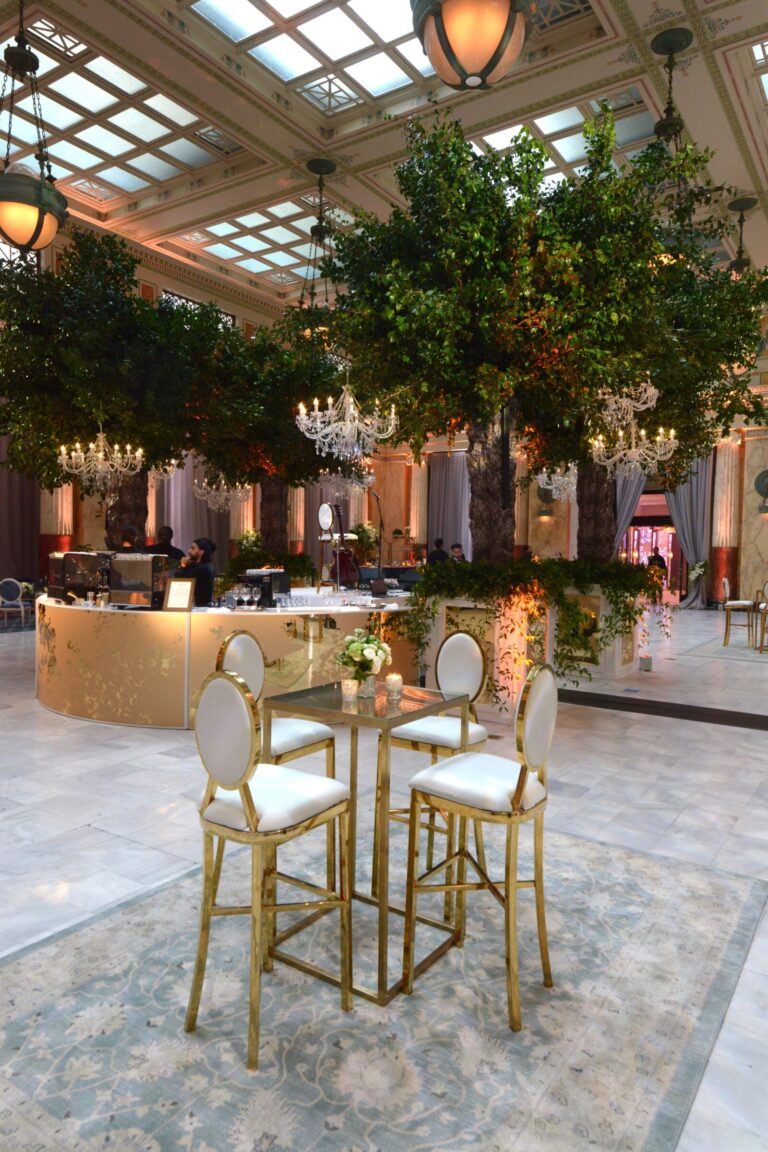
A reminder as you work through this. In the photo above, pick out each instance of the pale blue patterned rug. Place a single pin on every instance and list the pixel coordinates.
(646, 953)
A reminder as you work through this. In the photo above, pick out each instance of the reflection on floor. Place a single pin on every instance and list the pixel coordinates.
(91, 815)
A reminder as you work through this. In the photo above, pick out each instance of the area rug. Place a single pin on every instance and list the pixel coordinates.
(646, 953)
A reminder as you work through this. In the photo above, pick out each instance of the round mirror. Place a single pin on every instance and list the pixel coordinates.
(325, 516)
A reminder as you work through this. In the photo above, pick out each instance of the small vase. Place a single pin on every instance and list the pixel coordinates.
(367, 687)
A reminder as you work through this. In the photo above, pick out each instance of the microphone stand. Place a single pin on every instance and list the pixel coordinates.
(377, 498)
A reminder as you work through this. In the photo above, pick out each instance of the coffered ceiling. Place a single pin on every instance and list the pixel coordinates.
(185, 125)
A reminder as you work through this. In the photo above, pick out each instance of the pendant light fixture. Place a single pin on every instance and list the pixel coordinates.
(471, 43)
(31, 209)
(670, 43)
(741, 205)
(317, 302)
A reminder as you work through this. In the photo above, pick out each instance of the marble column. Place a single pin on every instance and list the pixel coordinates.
(726, 517)
(56, 522)
(296, 513)
(418, 511)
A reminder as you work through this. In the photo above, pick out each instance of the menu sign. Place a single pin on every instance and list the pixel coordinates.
(179, 595)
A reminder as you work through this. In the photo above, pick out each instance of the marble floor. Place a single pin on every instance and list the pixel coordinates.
(92, 815)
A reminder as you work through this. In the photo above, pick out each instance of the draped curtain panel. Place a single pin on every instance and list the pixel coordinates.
(629, 488)
(691, 508)
(20, 504)
(177, 505)
(321, 492)
(448, 501)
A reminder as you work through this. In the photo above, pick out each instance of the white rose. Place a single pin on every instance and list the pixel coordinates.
(369, 653)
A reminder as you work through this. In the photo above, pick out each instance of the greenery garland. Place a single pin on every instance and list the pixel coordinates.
(545, 584)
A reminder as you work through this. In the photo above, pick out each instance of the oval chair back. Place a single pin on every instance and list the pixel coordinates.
(242, 654)
(460, 665)
(10, 591)
(226, 730)
(535, 721)
(726, 588)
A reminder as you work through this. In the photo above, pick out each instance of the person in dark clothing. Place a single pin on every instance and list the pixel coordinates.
(438, 553)
(197, 563)
(163, 546)
(656, 560)
(129, 539)
(457, 553)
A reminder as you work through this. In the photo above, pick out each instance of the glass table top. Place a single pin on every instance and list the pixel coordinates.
(324, 701)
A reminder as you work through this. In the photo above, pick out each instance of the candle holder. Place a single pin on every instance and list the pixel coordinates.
(394, 684)
(349, 689)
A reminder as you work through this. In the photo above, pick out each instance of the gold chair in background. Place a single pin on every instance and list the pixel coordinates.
(731, 606)
(261, 806)
(761, 610)
(484, 788)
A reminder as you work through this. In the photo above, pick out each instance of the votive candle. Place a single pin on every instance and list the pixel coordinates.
(394, 684)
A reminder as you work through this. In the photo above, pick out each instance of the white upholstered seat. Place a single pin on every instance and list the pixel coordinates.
(481, 787)
(262, 806)
(443, 731)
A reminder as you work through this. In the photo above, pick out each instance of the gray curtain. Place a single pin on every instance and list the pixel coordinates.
(189, 517)
(321, 492)
(629, 488)
(448, 500)
(19, 523)
(691, 508)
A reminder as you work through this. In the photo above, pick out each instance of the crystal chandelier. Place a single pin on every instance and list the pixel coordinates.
(561, 483)
(341, 429)
(219, 495)
(102, 467)
(622, 454)
(360, 476)
(620, 407)
(31, 209)
(159, 475)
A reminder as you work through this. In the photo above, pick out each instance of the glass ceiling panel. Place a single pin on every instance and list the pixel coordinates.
(630, 129)
(128, 181)
(139, 125)
(335, 34)
(503, 138)
(764, 82)
(292, 7)
(107, 141)
(287, 208)
(559, 121)
(282, 259)
(378, 74)
(571, 148)
(83, 92)
(23, 130)
(115, 75)
(254, 265)
(237, 19)
(187, 153)
(250, 243)
(71, 154)
(285, 57)
(280, 235)
(222, 229)
(93, 190)
(388, 20)
(54, 114)
(252, 220)
(171, 110)
(222, 251)
(155, 167)
(416, 56)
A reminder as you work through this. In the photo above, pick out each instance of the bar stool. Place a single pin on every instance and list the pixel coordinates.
(731, 606)
(761, 608)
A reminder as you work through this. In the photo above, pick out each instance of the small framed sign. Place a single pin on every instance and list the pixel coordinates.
(179, 594)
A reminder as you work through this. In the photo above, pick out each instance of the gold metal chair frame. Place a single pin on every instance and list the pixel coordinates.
(748, 607)
(328, 746)
(456, 861)
(264, 907)
(402, 815)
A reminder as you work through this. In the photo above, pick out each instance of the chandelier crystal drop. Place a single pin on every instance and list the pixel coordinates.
(561, 483)
(159, 475)
(620, 407)
(101, 467)
(342, 430)
(220, 496)
(360, 477)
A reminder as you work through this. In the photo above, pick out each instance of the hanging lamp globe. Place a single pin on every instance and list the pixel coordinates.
(471, 44)
(31, 208)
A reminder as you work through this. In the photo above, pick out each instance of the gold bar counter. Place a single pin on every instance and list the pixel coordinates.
(144, 668)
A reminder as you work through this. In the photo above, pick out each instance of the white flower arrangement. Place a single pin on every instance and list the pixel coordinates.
(698, 570)
(365, 654)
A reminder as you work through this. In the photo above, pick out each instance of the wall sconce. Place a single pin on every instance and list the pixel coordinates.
(761, 487)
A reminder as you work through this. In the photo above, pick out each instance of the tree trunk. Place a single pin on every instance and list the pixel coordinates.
(274, 515)
(596, 495)
(492, 527)
(128, 505)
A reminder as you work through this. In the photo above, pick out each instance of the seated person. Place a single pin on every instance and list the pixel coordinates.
(163, 546)
(198, 563)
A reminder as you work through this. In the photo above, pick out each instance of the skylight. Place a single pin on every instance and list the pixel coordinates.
(388, 20)
(378, 74)
(81, 91)
(237, 19)
(171, 110)
(139, 125)
(283, 56)
(335, 34)
(115, 75)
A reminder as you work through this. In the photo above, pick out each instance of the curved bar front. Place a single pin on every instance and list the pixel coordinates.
(145, 668)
